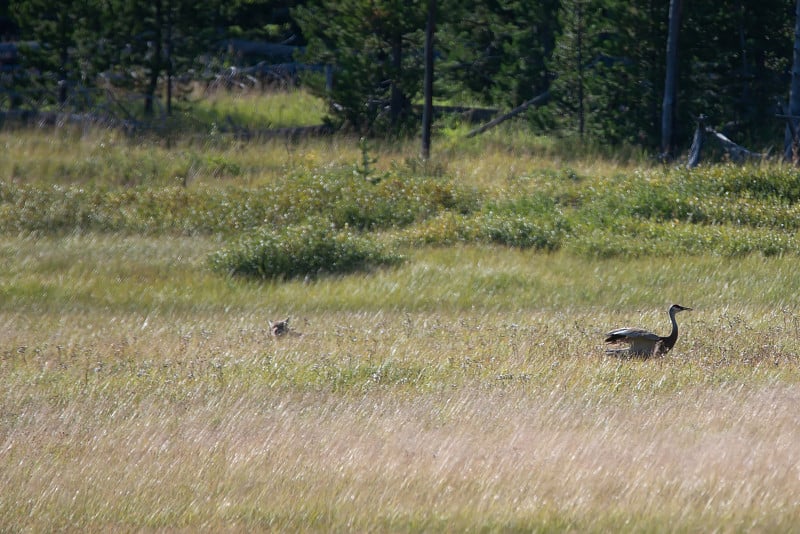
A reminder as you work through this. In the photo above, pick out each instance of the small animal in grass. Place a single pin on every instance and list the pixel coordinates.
(643, 343)
(279, 328)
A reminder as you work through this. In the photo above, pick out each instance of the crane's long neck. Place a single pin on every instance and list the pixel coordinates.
(670, 340)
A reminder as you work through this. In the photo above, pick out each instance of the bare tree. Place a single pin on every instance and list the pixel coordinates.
(427, 110)
(794, 92)
(671, 80)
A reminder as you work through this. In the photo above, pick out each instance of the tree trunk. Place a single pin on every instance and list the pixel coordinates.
(155, 61)
(396, 104)
(671, 80)
(64, 43)
(427, 109)
(747, 85)
(696, 151)
(168, 60)
(794, 90)
(580, 35)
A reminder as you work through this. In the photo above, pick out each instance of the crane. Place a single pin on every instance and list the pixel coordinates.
(644, 343)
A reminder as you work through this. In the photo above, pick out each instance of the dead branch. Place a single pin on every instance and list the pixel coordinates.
(535, 101)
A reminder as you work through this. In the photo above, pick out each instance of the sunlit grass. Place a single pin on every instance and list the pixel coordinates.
(69, 156)
(516, 152)
(464, 389)
(259, 110)
(174, 272)
(375, 420)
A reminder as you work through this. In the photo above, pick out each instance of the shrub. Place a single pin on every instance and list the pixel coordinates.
(339, 197)
(443, 230)
(307, 249)
(350, 200)
(637, 238)
(529, 222)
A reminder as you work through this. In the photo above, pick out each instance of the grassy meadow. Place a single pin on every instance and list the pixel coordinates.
(445, 369)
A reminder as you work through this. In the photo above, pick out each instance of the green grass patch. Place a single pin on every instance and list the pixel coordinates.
(644, 214)
(257, 111)
(338, 197)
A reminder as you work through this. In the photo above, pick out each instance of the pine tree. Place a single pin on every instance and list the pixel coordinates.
(572, 61)
(53, 26)
(619, 72)
(734, 60)
(375, 50)
(497, 52)
(146, 43)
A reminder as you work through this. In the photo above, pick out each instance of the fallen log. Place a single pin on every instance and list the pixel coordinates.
(535, 101)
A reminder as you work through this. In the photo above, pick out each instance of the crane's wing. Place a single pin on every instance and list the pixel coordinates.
(631, 334)
(642, 342)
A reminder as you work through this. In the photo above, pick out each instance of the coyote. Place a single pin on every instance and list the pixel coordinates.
(279, 328)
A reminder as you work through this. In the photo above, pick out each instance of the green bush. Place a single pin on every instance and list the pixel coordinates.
(443, 230)
(524, 222)
(308, 249)
(638, 238)
(527, 222)
(759, 182)
(720, 195)
(351, 200)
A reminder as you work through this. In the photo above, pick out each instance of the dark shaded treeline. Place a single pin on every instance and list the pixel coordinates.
(603, 61)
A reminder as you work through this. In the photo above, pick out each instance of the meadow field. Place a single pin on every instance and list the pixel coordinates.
(445, 371)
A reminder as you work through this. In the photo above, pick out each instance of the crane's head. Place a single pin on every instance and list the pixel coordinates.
(675, 308)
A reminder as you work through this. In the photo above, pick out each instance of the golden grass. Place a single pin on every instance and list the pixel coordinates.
(178, 410)
(465, 390)
(495, 160)
(386, 421)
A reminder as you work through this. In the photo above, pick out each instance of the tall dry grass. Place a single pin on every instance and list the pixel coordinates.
(143, 393)
(390, 421)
